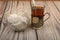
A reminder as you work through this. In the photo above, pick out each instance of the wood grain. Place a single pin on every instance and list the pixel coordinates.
(56, 15)
(14, 7)
(2, 8)
(49, 31)
(29, 0)
(57, 4)
(46, 32)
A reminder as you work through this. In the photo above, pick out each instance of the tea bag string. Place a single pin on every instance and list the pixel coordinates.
(33, 3)
(34, 7)
(44, 3)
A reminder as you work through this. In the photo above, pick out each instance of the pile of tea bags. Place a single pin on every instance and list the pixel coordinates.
(17, 18)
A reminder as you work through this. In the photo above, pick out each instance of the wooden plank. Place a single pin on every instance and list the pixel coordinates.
(8, 35)
(20, 0)
(28, 0)
(57, 4)
(45, 33)
(12, 36)
(5, 28)
(5, 32)
(56, 14)
(1, 29)
(28, 34)
(53, 21)
(48, 30)
(16, 36)
(20, 36)
(2, 26)
(11, 8)
(2, 7)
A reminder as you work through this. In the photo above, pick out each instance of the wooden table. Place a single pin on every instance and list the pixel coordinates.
(49, 31)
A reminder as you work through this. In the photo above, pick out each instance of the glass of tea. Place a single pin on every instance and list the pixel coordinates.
(37, 16)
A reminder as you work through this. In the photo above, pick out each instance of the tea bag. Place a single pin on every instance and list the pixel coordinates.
(16, 17)
(18, 22)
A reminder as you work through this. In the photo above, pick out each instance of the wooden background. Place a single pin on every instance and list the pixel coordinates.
(29, 0)
(49, 31)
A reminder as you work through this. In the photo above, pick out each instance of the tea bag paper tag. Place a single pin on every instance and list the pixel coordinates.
(35, 19)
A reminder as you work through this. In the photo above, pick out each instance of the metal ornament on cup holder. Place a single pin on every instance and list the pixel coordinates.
(37, 24)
